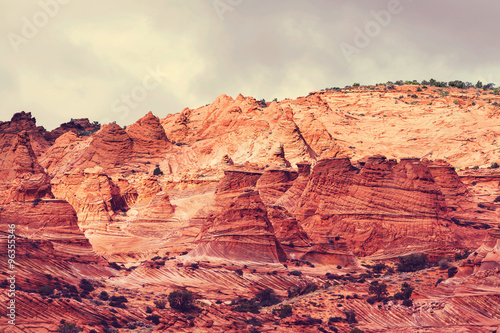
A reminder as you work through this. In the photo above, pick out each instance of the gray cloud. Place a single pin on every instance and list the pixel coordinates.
(92, 53)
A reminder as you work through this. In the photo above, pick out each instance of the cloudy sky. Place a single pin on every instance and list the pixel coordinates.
(118, 59)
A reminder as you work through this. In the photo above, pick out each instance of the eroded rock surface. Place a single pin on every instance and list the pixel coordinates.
(302, 196)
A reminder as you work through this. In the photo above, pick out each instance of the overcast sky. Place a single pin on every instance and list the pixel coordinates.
(118, 59)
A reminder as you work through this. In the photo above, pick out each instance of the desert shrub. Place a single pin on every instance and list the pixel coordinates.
(254, 322)
(308, 321)
(407, 302)
(86, 286)
(245, 305)
(412, 263)
(262, 103)
(379, 267)
(119, 299)
(405, 293)
(108, 329)
(118, 302)
(333, 320)
(267, 297)
(465, 254)
(443, 264)
(45, 290)
(296, 273)
(350, 316)
(134, 324)
(181, 300)
(160, 304)
(389, 270)
(452, 271)
(378, 289)
(36, 202)
(155, 319)
(115, 323)
(283, 311)
(104, 295)
(488, 86)
(69, 328)
(494, 165)
(299, 290)
(239, 272)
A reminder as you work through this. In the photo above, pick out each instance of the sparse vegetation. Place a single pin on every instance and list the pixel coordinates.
(118, 302)
(378, 289)
(160, 304)
(69, 328)
(412, 263)
(379, 267)
(267, 297)
(246, 305)
(465, 254)
(299, 290)
(45, 290)
(181, 300)
(350, 316)
(405, 293)
(104, 295)
(407, 302)
(443, 264)
(283, 311)
(86, 286)
(155, 319)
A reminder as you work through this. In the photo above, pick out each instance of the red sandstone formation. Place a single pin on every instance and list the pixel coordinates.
(138, 149)
(92, 193)
(23, 121)
(22, 177)
(241, 232)
(384, 206)
(261, 195)
(77, 126)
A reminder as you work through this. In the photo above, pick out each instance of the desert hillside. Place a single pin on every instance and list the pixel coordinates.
(368, 207)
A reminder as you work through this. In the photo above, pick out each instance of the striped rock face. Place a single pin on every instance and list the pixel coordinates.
(307, 197)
